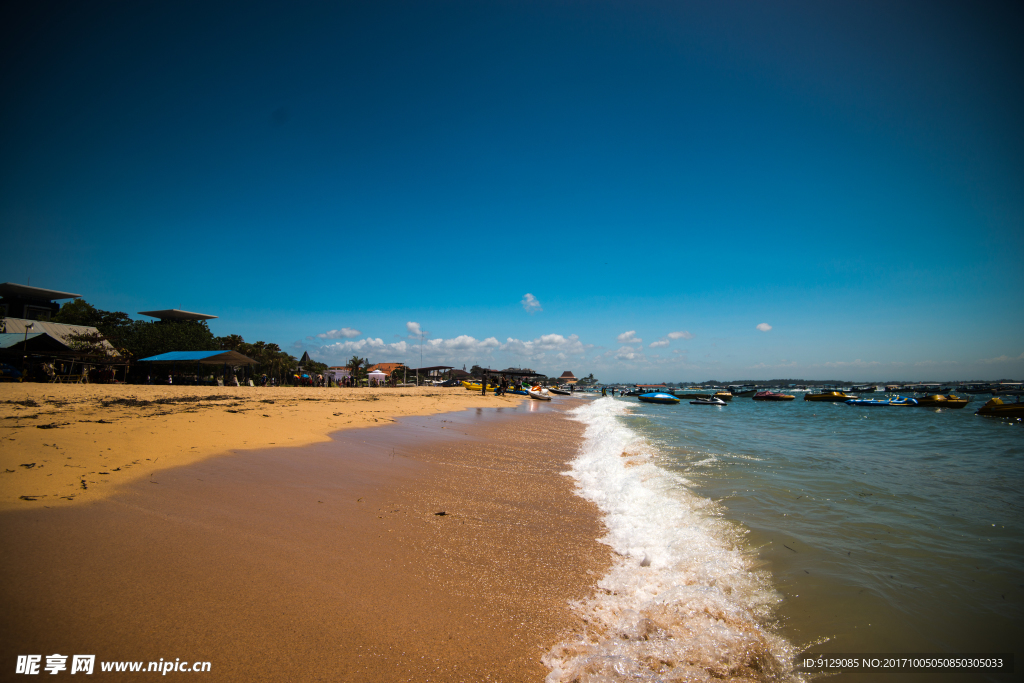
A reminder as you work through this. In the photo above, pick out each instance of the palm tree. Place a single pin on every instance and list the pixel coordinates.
(358, 367)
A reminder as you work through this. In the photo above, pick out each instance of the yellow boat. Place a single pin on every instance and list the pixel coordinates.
(996, 408)
(476, 386)
(940, 401)
(833, 396)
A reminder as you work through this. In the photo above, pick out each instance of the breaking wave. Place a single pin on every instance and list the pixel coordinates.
(683, 601)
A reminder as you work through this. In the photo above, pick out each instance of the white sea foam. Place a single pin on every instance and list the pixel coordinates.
(682, 601)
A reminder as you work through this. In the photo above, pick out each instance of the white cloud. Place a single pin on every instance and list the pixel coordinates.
(548, 344)
(764, 366)
(680, 335)
(414, 329)
(629, 338)
(659, 344)
(462, 348)
(852, 364)
(363, 346)
(343, 333)
(764, 327)
(459, 350)
(1001, 359)
(627, 353)
(530, 303)
(463, 343)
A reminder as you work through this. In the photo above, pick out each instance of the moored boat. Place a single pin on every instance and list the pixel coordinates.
(997, 408)
(560, 392)
(940, 401)
(832, 396)
(658, 397)
(713, 401)
(773, 396)
(890, 401)
(477, 386)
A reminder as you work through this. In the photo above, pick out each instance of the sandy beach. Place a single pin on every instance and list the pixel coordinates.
(279, 548)
(72, 443)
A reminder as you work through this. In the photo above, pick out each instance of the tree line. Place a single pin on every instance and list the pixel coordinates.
(135, 339)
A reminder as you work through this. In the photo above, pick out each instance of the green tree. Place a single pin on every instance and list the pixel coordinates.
(313, 366)
(90, 344)
(115, 326)
(358, 367)
(138, 338)
(231, 342)
(78, 312)
(144, 339)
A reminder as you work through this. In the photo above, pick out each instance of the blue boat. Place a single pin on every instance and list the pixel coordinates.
(892, 401)
(658, 397)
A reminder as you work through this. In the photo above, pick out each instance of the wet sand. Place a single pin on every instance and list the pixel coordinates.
(64, 444)
(326, 562)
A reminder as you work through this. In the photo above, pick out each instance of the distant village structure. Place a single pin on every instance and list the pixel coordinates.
(567, 378)
(339, 372)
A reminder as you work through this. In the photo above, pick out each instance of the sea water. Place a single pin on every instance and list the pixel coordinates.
(748, 534)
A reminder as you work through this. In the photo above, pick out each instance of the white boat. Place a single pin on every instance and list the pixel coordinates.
(708, 402)
(539, 393)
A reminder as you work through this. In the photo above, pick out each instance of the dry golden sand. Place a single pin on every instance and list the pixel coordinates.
(322, 562)
(69, 443)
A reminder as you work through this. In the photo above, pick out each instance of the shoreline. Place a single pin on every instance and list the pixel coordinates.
(327, 561)
(65, 444)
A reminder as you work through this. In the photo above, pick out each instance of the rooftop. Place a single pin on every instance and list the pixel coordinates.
(175, 314)
(59, 331)
(13, 289)
(386, 368)
(204, 357)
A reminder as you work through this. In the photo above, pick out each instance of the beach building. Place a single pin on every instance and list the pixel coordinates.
(30, 303)
(567, 378)
(434, 373)
(54, 352)
(339, 372)
(386, 368)
(68, 339)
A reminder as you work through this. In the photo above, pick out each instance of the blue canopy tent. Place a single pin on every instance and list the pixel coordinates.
(202, 357)
(225, 358)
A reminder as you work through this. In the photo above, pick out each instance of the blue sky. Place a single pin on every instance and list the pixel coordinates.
(849, 174)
